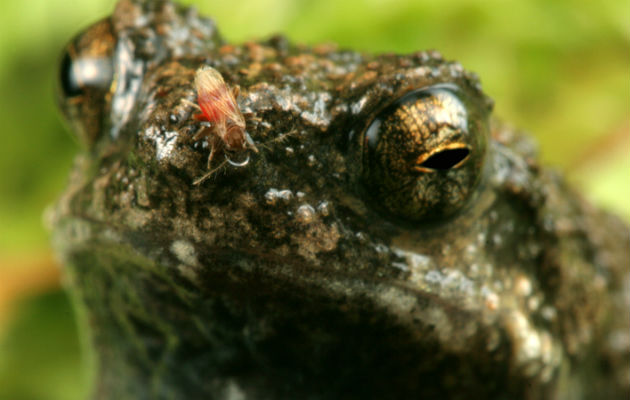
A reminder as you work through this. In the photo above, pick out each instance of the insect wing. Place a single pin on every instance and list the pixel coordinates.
(215, 99)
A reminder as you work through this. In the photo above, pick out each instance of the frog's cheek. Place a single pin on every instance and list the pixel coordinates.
(84, 80)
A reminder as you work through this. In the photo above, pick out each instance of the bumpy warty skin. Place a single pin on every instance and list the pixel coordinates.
(284, 278)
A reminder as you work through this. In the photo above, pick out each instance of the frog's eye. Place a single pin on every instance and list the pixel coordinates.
(423, 154)
(85, 76)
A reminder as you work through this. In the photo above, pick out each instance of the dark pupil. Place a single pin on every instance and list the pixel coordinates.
(446, 159)
(67, 77)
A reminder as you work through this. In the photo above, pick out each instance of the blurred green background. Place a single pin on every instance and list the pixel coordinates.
(559, 69)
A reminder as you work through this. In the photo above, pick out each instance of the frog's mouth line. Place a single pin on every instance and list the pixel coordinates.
(449, 156)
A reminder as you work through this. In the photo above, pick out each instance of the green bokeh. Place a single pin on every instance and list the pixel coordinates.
(558, 69)
(39, 355)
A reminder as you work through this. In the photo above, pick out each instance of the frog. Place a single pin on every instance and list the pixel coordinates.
(378, 235)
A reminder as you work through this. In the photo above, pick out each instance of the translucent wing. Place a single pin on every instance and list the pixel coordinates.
(215, 99)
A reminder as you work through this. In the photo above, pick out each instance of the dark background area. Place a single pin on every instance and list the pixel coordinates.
(559, 70)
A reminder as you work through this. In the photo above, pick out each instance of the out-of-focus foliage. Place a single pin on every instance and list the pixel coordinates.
(39, 355)
(558, 69)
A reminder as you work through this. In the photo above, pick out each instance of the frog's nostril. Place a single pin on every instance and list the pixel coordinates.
(446, 159)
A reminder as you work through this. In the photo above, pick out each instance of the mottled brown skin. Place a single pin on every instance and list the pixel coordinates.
(289, 277)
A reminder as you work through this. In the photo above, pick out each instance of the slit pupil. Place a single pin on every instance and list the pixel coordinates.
(445, 159)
